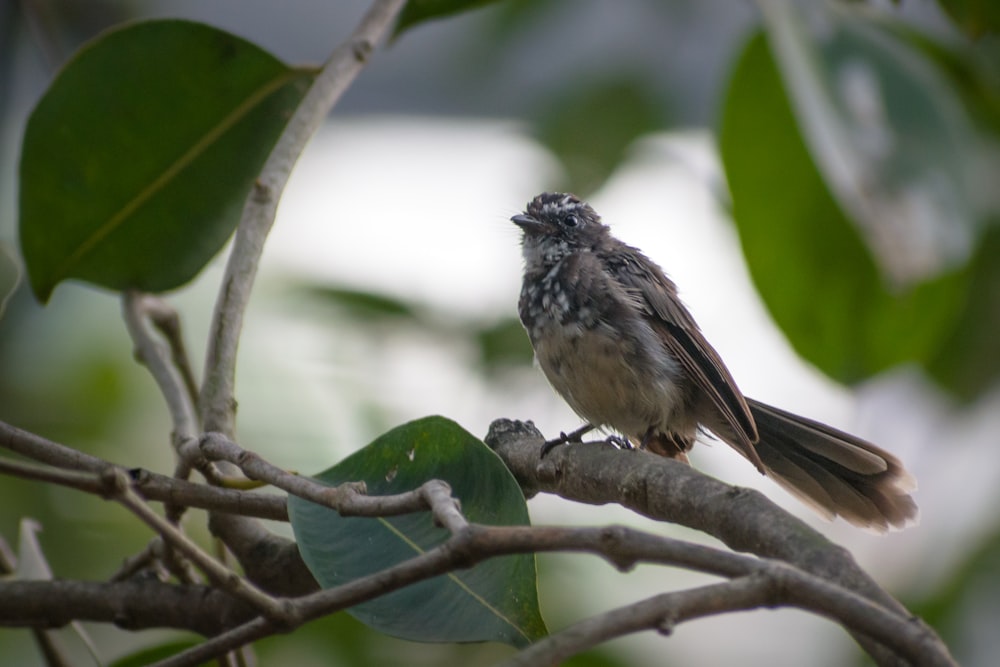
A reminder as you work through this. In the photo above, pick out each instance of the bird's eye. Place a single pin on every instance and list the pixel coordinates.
(571, 220)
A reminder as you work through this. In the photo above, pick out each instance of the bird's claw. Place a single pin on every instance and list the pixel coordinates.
(573, 436)
(619, 442)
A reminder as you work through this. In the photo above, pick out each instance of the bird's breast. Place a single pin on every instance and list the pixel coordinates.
(599, 352)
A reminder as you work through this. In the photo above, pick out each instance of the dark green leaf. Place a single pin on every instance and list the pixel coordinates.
(590, 127)
(419, 11)
(495, 600)
(968, 363)
(812, 270)
(975, 17)
(137, 160)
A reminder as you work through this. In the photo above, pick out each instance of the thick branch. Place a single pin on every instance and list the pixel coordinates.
(217, 398)
(667, 490)
(133, 604)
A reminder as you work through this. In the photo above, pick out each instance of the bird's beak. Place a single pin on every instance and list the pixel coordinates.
(525, 221)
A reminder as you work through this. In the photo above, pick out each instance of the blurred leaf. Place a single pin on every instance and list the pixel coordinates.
(419, 11)
(364, 305)
(975, 17)
(512, 16)
(968, 363)
(148, 656)
(137, 160)
(965, 604)
(813, 272)
(495, 600)
(888, 132)
(973, 70)
(599, 657)
(503, 344)
(343, 640)
(10, 275)
(591, 126)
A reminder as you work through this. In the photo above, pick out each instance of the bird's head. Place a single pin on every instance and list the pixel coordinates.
(557, 224)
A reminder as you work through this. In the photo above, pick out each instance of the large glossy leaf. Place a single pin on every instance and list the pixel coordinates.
(495, 600)
(137, 160)
(815, 274)
(888, 132)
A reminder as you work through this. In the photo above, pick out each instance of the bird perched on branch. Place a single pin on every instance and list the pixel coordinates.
(614, 339)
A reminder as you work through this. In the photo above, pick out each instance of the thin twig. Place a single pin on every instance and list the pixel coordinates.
(660, 613)
(156, 357)
(118, 486)
(149, 485)
(165, 318)
(347, 499)
(218, 404)
(43, 450)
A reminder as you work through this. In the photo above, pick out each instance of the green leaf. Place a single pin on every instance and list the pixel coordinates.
(147, 656)
(419, 11)
(812, 270)
(590, 127)
(975, 17)
(966, 595)
(496, 600)
(967, 362)
(138, 159)
(889, 133)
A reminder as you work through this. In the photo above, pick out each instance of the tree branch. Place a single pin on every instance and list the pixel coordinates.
(885, 627)
(348, 499)
(660, 613)
(43, 450)
(132, 604)
(137, 308)
(118, 486)
(218, 406)
(667, 490)
(149, 485)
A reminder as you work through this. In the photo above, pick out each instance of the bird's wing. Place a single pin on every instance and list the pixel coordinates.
(657, 294)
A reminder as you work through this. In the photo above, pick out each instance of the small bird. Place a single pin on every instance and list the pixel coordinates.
(614, 340)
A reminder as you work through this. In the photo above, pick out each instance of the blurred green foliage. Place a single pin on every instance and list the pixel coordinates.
(591, 124)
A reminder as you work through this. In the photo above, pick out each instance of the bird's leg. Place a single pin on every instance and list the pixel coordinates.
(574, 436)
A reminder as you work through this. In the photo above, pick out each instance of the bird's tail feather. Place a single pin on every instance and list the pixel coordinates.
(835, 472)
